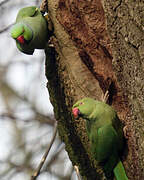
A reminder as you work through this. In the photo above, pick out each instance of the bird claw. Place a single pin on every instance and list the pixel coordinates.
(105, 96)
(77, 172)
(125, 132)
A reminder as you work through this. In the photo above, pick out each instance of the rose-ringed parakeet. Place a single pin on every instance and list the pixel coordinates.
(105, 133)
(30, 30)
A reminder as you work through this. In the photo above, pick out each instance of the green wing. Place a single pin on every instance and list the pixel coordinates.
(26, 12)
(104, 142)
(107, 149)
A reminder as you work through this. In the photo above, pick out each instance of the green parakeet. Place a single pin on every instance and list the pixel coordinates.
(105, 132)
(30, 30)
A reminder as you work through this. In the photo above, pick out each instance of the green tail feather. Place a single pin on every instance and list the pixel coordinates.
(119, 172)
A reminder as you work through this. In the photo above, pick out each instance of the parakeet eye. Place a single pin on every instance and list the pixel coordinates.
(81, 103)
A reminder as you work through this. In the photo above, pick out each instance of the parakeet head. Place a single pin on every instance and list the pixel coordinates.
(83, 108)
(21, 33)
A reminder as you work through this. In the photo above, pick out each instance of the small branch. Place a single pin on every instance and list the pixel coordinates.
(105, 97)
(43, 119)
(77, 172)
(6, 28)
(37, 172)
(4, 2)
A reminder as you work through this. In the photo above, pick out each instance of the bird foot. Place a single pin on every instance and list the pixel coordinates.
(125, 130)
(77, 172)
(105, 96)
(46, 15)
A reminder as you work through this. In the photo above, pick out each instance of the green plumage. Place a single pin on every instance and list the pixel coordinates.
(105, 132)
(33, 27)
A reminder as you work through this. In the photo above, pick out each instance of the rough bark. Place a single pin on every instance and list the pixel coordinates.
(82, 64)
(125, 22)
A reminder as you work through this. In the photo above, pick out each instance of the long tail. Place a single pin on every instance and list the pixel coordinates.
(119, 172)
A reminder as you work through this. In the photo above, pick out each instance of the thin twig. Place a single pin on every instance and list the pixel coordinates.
(105, 96)
(54, 157)
(3, 2)
(37, 172)
(6, 28)
(77, 172)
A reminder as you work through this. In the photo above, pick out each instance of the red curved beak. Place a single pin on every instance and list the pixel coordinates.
(76, 112)
(21, 39)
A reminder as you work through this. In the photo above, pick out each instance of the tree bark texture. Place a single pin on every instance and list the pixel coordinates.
(125, 22)
(98, 46)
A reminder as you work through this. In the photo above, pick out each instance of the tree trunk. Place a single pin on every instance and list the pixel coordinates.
(90, 57)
